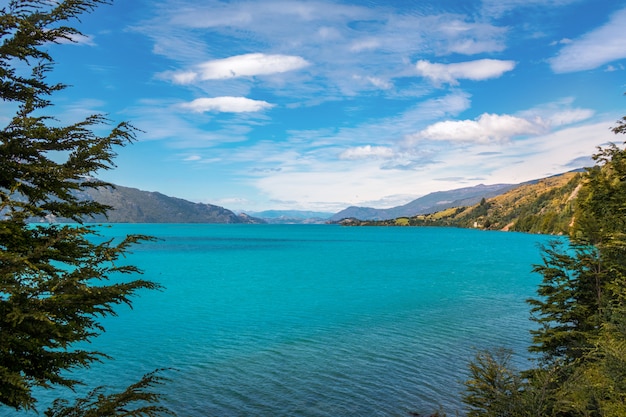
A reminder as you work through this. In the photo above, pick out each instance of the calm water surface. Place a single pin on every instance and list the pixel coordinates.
(318, 320)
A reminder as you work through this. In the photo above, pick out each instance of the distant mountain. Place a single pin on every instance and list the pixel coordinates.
(544, 206)
(131, 205)
(429, 203)
(292, 216)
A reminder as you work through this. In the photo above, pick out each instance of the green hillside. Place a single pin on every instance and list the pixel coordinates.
(545, 206)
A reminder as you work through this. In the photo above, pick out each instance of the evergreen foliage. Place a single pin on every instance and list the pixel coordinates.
(124, 404)
(580, 311)
(493, 388)
(53, 278)
(569, 310)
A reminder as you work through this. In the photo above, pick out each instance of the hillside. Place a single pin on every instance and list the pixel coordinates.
(429, 203)
(131, 205)
(543, 206)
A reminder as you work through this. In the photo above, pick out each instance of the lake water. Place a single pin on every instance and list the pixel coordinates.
(318, 320)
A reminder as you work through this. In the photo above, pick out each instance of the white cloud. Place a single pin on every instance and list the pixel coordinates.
(459, 36)
(329, 33)
(226, 104)
(594, 49)
(367, 151)
(478, 70)
(163, 120)
(77, 39)
(247, 65)
(568, 117)
(497, 8)
(375, 81)
(556, 114)
(492, 132)
(340, 39)
(380, 83)
(487, 128)
(365, 44)
(362, 181)
(564, 41)
(552, 153)
(186, 77)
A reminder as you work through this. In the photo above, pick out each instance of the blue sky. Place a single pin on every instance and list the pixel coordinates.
(319, 105)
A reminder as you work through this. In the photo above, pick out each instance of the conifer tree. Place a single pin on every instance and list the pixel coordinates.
(580, 310)
(578, 293)
(493, 389)
(53, 289)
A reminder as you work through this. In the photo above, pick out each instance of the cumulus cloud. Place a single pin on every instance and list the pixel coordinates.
(594, 49)
(247, 65)
(366, 152)
(478, 70)
(226, 105)
(487, 128)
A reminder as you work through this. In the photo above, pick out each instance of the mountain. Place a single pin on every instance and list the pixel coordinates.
(543, 206)
(546, 206)
(292, 216)
(131, 205)
(429, 203)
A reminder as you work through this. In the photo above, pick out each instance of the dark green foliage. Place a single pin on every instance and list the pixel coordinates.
(580, 310)
(53, 278)
(493, 389)
(124, 404)
(621, 126)
(582, 307)
(50, 300)
(480, 210)
(601, 214)
(570, 304)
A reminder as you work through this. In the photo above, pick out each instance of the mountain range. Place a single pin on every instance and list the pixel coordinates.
(544, 206)
(131, 205)
(429, 203)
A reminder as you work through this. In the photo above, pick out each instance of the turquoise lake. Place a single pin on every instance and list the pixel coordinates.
(318, 320)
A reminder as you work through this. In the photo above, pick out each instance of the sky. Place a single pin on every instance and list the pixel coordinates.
(324, 104)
